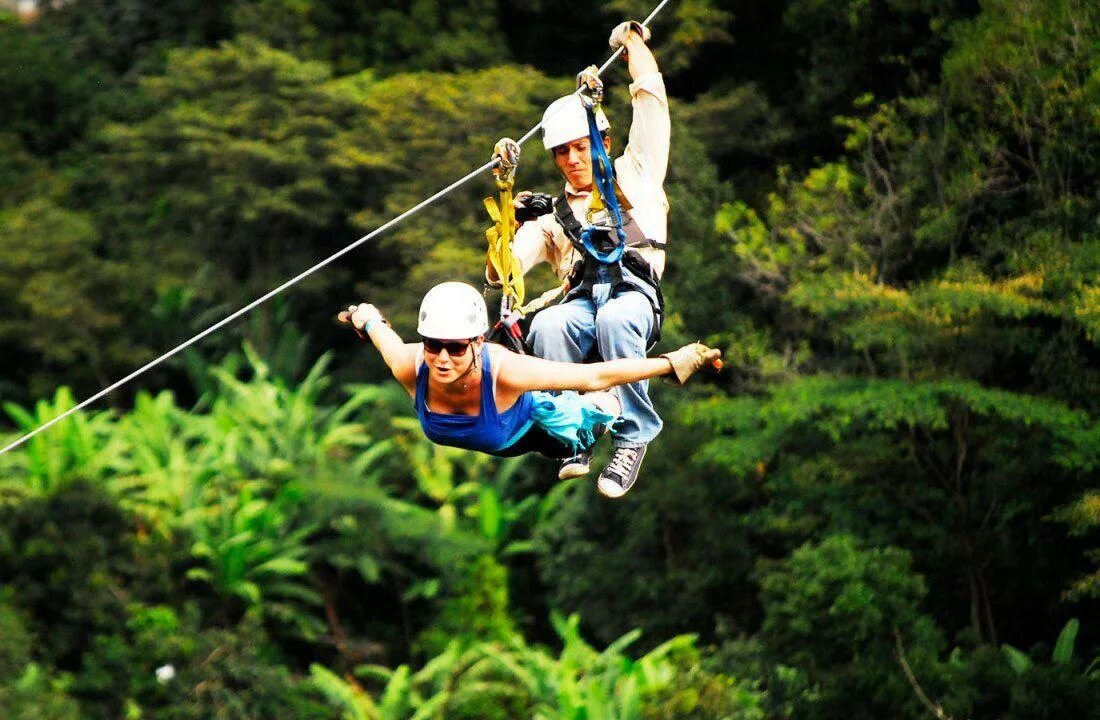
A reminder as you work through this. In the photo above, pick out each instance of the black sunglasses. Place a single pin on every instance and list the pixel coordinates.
(454, 348)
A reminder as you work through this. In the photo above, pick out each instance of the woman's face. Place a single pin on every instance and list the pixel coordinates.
(448, 360)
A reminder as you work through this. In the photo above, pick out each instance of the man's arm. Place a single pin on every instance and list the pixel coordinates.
(639, 58)
(650, 128)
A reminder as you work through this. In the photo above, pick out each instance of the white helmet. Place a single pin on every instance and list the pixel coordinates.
(453, 311)
(566, 120)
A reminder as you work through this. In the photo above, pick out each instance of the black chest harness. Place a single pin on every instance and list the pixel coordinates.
(585, 271)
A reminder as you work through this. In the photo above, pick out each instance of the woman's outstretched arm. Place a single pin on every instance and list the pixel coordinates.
(525, 372)
(398, 355)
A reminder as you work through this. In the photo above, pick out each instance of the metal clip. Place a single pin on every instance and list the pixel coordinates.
(506, 152)
(589, 81)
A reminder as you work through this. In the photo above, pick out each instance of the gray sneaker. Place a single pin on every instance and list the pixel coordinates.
(575, 466)
(621, 472)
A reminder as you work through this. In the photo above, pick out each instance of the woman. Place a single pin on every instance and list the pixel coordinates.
(481, 396)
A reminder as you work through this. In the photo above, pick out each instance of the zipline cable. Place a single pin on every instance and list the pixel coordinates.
(600, 71)
(225, 321)
(297, 278)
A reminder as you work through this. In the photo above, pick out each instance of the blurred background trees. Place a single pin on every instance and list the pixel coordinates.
(886, 506)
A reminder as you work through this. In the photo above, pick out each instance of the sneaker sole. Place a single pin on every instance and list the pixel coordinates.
(574, 470)
(609, 488)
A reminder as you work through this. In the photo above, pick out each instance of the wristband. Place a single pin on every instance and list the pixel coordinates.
(368, 323)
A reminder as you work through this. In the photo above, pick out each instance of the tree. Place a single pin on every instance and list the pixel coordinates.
(397, 35)
(675, 553)
(854, 47)
(835, 613)
(235, 674)
(72, 561)
(64, 301)
(241, 161)
(939, 468)
(45, 94)
(121, 34)
(27, 692)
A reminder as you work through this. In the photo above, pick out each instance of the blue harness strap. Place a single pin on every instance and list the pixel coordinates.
(604, 177)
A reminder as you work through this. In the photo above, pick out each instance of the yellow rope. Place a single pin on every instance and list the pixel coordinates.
(500, 238)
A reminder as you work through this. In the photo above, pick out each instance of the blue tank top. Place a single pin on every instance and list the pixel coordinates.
(487, 432)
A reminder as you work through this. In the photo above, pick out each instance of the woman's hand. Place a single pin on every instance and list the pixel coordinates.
(398, 355)
(359, 315)
(688, 359)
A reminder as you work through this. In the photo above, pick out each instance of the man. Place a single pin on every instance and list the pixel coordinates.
(613, 307)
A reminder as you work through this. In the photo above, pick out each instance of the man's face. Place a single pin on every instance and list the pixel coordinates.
(574, 159)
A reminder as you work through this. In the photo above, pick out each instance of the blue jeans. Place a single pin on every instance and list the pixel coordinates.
(619, 326)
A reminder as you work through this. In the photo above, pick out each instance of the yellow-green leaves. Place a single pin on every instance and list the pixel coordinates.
(1087, 312)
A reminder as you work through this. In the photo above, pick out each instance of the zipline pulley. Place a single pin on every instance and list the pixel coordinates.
(503, 231)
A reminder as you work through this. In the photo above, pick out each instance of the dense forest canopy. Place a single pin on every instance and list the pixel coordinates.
(887, 505)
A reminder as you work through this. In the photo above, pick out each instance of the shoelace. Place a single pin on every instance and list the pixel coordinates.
(622, 461)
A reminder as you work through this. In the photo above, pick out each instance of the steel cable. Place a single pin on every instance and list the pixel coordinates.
(297, 278)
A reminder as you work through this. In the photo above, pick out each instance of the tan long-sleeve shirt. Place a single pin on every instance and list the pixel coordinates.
(640, 176)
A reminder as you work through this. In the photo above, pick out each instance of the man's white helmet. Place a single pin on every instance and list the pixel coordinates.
(565, 120)
(453, 311)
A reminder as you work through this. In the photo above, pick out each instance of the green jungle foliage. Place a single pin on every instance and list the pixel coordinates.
(886, 506)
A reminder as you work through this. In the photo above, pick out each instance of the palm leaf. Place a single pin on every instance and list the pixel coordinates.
(1063, 648)
(1019, 662)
